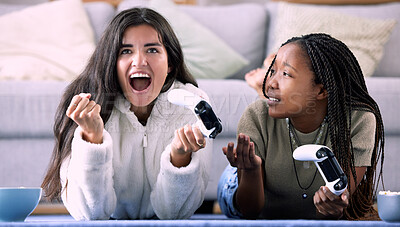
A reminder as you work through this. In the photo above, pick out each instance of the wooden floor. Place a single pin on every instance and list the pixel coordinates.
(59, 208)
(50, 208)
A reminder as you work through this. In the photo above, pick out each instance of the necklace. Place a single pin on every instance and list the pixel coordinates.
(295, 142)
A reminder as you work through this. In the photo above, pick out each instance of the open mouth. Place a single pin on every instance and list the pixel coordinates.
(139, 81)
(273, 99)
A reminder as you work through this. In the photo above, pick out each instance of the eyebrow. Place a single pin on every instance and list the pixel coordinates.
(152, 44)
(146, 45)
(289, 65)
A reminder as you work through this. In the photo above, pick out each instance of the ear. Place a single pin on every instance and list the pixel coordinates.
(323, 93)
(169, 69)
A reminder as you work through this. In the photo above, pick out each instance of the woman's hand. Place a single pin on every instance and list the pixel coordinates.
(243, 157)
(329, 205)
(186, 141)
(249, 196)
(86, 114)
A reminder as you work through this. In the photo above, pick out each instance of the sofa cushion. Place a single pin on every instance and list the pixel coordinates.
(385, 92)
(28, 108)
(100, 14)
(388, 65)
(55, 39)
(24, 161)
(229, 99)
(8, 8)
(339, 2)
(365, 37)
(242, 26)
(206, 55)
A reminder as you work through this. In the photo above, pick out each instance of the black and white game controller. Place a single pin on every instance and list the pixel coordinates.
(208, 123)
(328, 166)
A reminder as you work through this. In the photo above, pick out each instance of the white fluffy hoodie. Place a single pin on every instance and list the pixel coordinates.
(130, 175)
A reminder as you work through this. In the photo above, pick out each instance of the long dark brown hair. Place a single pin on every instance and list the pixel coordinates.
(338, 70)
(100, 79)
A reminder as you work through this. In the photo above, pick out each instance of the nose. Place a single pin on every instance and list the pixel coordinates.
(272, 82)
(138, 59)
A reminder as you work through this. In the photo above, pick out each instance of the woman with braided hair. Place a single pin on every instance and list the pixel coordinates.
(315, 94)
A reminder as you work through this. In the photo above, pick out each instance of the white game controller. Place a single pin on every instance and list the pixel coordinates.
(326, 163)
(208, 123)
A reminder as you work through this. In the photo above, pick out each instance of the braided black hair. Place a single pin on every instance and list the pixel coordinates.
(337, 69)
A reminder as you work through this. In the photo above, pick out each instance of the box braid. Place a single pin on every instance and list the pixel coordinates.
(335, 66)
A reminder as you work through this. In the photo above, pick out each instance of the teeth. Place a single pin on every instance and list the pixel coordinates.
(273, 99)
(139, 75)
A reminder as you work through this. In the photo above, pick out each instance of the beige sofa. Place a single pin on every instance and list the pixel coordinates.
(28, 107)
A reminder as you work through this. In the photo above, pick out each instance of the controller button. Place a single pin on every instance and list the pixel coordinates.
(338, 186)
(321, 153)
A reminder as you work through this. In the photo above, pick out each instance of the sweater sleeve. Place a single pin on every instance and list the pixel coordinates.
(87, 179)
(179, 192)
(363, 133)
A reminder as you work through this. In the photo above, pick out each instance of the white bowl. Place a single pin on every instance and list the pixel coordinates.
(17, 203)
(389, 206)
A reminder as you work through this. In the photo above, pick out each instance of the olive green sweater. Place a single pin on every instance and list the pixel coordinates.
(283, 195)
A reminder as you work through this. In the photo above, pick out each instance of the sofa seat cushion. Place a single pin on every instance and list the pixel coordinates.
(28, 108)
(229, 99)
(385, 92)
(24, 161)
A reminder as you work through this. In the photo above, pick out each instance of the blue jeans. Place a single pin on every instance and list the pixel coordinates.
(227, 185)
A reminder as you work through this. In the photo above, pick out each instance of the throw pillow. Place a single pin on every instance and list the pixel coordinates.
(206, 55)
(51, 41)
(339, 2)
(364, 37)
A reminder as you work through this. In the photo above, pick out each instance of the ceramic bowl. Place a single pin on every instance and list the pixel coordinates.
(389, 206)
(17, 203)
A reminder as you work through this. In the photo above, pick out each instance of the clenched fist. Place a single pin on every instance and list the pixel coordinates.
(86, 113)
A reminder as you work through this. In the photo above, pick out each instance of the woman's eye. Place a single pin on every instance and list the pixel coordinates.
(286, 74)
(152, 50)
(126, 51)
(271, 72)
